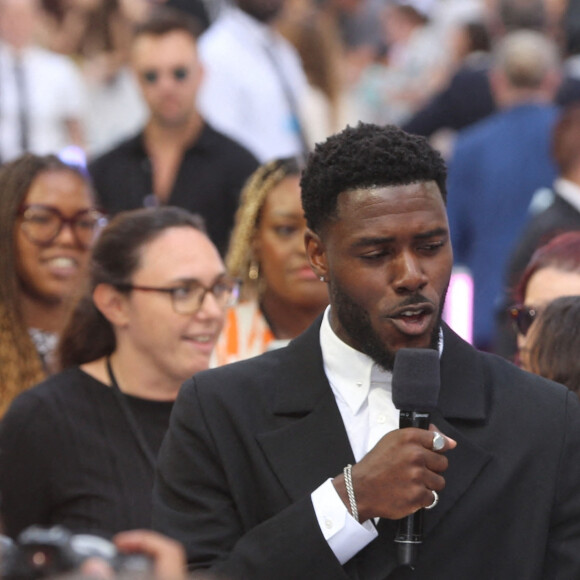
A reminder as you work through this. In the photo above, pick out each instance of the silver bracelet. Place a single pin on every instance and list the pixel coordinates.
(350, 491)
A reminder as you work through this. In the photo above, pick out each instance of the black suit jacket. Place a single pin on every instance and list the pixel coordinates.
(250, 441)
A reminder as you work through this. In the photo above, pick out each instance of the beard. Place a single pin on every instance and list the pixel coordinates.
(356, 321)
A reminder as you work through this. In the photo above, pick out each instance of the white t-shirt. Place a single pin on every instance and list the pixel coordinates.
(241, 93)
(54, 93)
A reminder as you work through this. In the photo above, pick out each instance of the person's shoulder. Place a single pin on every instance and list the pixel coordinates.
(58, 68)
(64, 390)
(227, 147)
(51, 58)
(117, 154)
(69, 381)
(221, 36)
(511, 381)
(245, 373)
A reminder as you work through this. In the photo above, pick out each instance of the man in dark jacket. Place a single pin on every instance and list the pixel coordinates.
(292, 464)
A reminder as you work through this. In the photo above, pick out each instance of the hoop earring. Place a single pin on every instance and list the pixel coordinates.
(254, 270)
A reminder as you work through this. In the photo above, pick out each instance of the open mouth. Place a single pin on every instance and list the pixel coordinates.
(413, 320)
(204, 342)
(63, 266)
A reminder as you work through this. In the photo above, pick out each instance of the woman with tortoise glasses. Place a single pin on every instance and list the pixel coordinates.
(48, 223)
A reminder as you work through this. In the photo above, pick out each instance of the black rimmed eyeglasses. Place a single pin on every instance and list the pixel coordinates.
(43, 223)
(522, 316)
(188, 298)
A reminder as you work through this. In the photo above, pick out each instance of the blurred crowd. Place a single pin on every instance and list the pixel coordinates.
(210, 107)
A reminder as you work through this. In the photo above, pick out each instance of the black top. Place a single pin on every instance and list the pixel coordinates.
(556, 219)
(209, 180)
(68, 456)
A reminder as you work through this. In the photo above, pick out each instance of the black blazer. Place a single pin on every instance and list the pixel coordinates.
(250, 441)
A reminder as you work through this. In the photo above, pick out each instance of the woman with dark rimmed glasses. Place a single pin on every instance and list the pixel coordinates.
(79, 449)
(552, 272)
(48, 223)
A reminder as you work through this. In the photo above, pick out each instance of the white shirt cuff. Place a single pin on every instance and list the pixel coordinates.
(345, 536)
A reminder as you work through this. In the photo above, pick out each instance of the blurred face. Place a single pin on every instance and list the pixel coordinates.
(54, 272)
(169, 75)
(178, 345)
(544, 286)
(18, 20)
(388, 260)
(279, 247)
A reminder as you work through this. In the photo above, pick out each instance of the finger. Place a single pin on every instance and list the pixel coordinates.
(434, 481)
(449, 443)
(436, 462)
(97, 568)
(168, 555)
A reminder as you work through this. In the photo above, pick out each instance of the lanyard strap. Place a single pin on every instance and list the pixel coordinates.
(130, 417)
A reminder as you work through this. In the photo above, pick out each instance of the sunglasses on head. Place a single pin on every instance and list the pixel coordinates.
(179, 74)
(523, 316)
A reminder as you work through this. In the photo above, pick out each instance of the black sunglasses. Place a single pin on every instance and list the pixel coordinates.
(179, 74)
(523, 316)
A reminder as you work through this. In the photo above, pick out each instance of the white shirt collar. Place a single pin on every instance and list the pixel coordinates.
(349, 371)
(569, 191)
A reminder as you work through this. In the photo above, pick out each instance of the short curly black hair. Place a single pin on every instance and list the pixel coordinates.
(365, 156)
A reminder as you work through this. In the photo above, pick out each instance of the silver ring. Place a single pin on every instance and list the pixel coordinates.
(438, 441)
(435, 500)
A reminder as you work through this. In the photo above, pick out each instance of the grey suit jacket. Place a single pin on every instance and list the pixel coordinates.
(249, 442)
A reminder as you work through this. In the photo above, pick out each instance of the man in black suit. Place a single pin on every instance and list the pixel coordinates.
(253, 473)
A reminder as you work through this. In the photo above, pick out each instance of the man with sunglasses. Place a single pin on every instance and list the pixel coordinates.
(178, 159)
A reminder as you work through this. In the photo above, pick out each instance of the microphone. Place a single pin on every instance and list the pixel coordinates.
(416, 383)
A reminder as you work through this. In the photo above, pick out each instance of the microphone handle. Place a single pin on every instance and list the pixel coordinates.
(409, 534)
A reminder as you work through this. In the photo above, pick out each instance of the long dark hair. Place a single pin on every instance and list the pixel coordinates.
(115, 258)
(20, 365)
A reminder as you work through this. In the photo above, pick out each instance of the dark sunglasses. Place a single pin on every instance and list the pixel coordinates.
(151, 76)
(523, 316)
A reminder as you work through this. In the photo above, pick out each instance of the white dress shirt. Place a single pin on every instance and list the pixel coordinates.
(241, 93)
(363, 394)
(55, 93)
(569, 191)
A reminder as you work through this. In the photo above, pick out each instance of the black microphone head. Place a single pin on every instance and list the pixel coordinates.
(416, 379)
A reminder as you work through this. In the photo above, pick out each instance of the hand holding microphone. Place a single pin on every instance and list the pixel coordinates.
(402, 473)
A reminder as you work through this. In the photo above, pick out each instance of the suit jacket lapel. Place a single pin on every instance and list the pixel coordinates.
(311, 443)
(463, 397)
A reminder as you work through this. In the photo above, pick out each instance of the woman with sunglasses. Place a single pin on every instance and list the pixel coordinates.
(48, 223)
(79, 449)
(552, 272)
